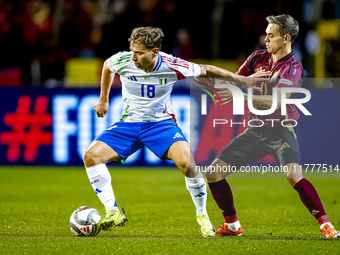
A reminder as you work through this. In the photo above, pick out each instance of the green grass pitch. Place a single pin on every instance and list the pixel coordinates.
(36, 203)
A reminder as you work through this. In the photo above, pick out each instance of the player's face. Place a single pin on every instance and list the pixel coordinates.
(142, 57)
(274, 41)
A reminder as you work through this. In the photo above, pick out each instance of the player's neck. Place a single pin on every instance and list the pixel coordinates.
(152, 65)
(281, 53)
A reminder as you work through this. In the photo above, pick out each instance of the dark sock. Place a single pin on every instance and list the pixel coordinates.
(311, 200)
(223, 196)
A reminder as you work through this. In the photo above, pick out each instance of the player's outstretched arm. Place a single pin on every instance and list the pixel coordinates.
(216, 72)
(239, 80)
(102, 106)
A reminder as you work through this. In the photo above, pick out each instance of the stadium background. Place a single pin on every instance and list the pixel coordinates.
(52, 53)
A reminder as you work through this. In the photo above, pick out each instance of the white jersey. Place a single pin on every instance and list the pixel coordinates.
(146, 96)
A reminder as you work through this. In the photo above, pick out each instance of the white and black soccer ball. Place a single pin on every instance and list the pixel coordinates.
(83, 221)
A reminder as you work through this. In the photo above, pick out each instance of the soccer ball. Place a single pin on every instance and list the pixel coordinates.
(83, 221)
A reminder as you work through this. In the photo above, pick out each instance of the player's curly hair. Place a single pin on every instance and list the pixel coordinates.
(287, 25)
(151, 37)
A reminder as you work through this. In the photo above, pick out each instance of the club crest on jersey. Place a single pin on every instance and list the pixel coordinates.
(163, 80)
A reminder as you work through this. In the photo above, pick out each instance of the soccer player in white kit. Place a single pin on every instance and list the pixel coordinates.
(147, 76)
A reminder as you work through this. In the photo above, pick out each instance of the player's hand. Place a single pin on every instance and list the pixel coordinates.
(261, 74)
(101, 107)
(225, 95)
(251, 80)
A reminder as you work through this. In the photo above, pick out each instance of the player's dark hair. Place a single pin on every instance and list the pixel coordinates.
(286, 23)
(151, 37)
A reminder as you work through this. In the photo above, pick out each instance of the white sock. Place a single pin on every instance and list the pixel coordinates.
(100, 179)
(198, 191)
(234, 226)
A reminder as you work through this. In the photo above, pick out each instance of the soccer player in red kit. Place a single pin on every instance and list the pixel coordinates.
(265, 137)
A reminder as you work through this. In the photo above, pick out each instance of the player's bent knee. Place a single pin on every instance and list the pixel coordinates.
(185, 168)
(87, 158)
(91, 159)
(217, 171)
(292, 171)
(293, 181)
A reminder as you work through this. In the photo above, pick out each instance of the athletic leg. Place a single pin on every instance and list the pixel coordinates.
(167, 141)
(243, 150)
(180, 153)
(307, 192)
(310, 198)
(223, 196)
(289, 157)
(95, 159)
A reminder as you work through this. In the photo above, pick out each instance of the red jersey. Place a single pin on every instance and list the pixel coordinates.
(287, 72)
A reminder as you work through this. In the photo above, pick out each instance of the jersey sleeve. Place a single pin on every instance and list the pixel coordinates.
(120, 60)
(195, 71)
(291, 75)
(182, 67)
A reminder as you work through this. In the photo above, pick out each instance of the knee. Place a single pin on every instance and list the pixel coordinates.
(90, 158)
(186, 169)
(293, 181)
(293, 178)
(294, 173)
(217, 172)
